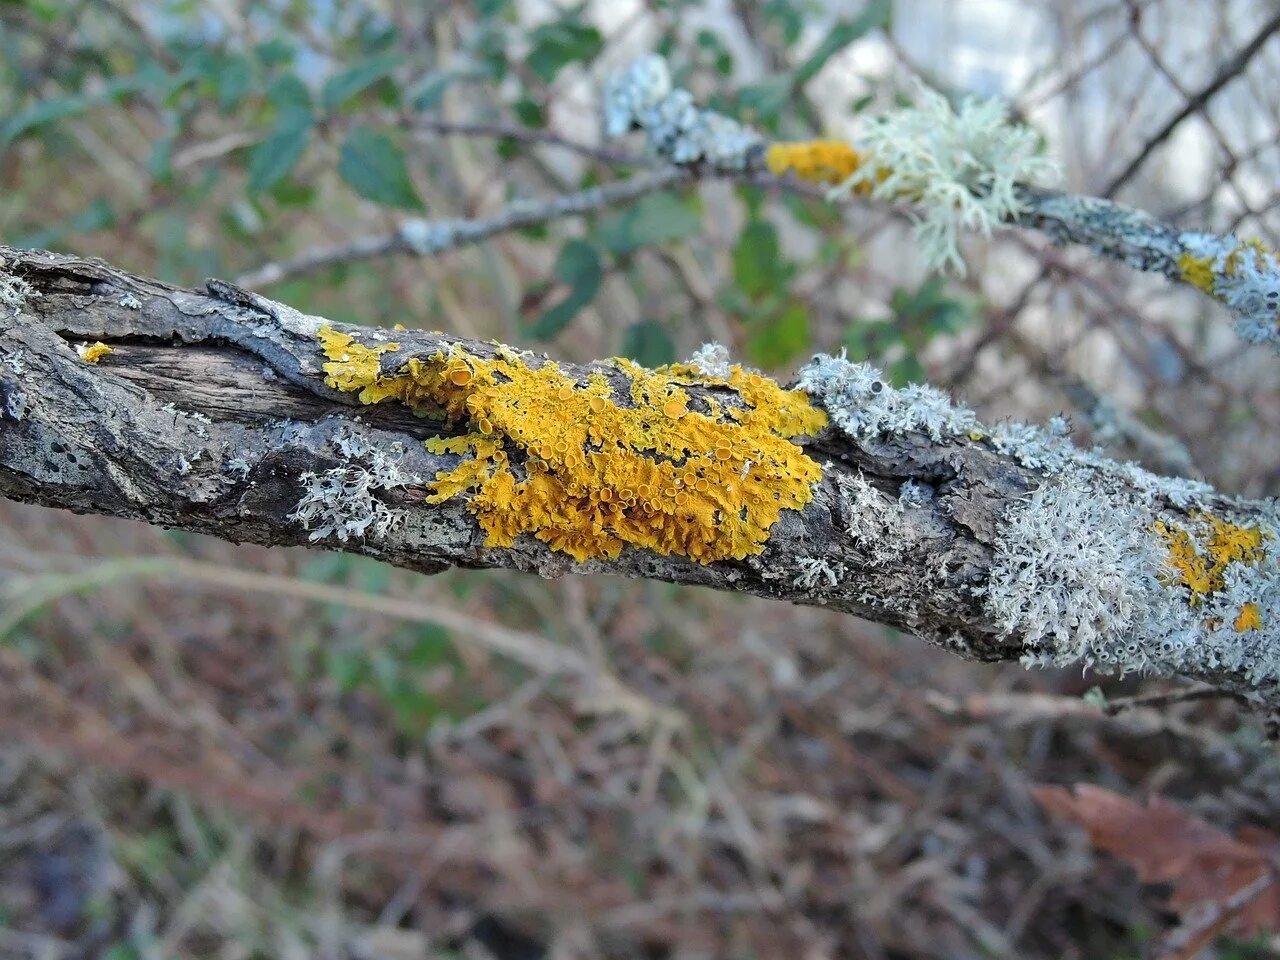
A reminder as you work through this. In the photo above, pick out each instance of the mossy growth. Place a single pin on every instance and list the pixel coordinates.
(588, 472)
(1198, 559)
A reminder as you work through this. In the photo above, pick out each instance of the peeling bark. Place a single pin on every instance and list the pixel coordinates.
(212, 405)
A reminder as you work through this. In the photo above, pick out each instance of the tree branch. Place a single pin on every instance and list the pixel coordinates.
(213, 413)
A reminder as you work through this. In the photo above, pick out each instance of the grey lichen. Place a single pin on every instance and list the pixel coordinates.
(1244, 275)
(427, 237)
(861, 403)
(14, 291)
(817, 572)
(961, 168)
(877, 525)
(712, 359)
(641, 96)
(1082, 575)
(343, 503)
(864, 405)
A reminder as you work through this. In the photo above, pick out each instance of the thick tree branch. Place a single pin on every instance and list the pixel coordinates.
(213, 409)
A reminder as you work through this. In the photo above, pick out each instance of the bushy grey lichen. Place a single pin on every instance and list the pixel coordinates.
(860, 401)
(641, 96)
(1082, 575)
(14, 291)
(712, 359)
(816, 572)
(876, 524)
(962, 168)
(343, 502)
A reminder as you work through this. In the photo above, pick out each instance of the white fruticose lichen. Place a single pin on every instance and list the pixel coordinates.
(1082, 575)
(962, 167)
(815, 570)
(14, 291)
(238, 465)
(675, 127)
(862, 404)
(712, 359)
(860, 401)
(130, 302)
(877, 523)
(343, 502)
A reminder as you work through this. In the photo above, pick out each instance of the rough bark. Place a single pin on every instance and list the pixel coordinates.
(213, 405)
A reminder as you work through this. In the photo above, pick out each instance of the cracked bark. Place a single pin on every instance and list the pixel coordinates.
(198, 379)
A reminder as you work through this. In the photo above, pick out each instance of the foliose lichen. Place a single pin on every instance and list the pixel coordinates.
(343, 502)
(1243, 274)
(641, 96)
(589, 465)
(14, 291)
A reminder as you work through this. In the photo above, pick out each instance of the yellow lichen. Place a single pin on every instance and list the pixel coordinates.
(819, 161)
(588, 471)
(1197, 271)
(92, 353)
(1249, 618)
(1200, 563)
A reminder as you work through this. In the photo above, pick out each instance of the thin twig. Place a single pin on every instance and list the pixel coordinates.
(1228, 72)
(429, 237)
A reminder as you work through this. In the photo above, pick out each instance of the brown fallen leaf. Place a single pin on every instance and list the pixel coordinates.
(1220, 885)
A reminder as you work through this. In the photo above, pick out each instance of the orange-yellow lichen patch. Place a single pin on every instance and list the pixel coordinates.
(819, 161)
(587, 471)
(92, 353)
(1197, 271)
(1200, 563)
(1249, 618)
(354, 366)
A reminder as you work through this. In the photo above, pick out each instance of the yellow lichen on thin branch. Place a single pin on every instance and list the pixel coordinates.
(588, 472)
(818, 161)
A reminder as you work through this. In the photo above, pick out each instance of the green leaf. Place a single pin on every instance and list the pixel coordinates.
(657, 218)
(41, 114)
(292, 101)
(756, 259)
(648, 344)
(555, 45)
(780, 338)
(578, 265)
(528, 112)
(98, 215)
(357, 78)
(844, 32)
(271, 159)
(432, 89)
(232, 80)
(374, 166)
